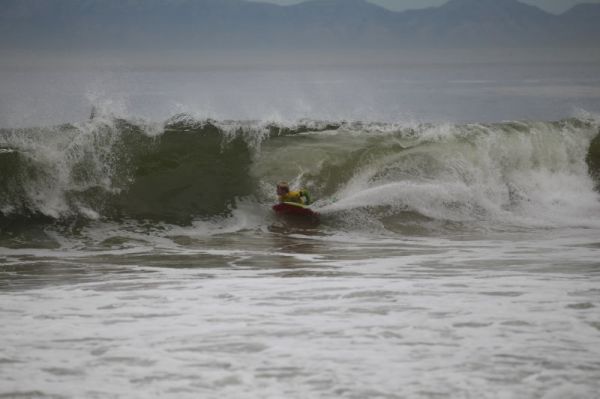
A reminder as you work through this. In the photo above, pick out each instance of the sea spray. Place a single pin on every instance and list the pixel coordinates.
(386, 175)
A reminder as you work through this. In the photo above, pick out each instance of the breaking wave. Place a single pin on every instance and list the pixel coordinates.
(375, 175)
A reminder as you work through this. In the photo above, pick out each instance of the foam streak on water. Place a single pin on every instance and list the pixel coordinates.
(300, 316)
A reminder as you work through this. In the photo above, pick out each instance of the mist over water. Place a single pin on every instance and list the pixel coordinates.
(456, 253)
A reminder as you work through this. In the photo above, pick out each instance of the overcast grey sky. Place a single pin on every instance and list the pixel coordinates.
(555, 6)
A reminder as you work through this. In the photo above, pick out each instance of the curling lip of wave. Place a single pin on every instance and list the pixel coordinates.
(188, 169)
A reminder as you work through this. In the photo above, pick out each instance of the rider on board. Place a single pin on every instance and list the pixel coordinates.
(284, 194)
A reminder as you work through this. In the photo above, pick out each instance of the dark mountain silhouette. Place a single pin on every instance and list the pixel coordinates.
(199, 25)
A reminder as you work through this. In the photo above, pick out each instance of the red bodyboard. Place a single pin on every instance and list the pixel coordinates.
(290, 208)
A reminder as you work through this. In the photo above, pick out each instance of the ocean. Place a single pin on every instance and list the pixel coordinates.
(456, 253)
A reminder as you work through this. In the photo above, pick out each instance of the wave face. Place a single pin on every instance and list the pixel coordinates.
(374, 175)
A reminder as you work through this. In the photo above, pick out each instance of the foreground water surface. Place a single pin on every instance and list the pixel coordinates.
(271, 314)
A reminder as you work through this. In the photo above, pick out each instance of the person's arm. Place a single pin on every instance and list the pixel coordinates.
(306, 195)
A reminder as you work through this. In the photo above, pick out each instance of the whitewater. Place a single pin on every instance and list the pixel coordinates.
(456, 253)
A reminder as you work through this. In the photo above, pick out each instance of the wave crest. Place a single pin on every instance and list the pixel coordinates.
(186, 169)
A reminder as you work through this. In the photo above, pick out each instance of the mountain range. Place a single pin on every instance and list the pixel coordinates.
(198, 25)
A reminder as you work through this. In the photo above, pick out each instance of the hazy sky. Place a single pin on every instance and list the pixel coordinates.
(555, 6)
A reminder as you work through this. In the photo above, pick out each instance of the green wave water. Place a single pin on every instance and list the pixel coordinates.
(387, 174)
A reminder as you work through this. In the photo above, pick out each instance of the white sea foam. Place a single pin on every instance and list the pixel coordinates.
(515, 173)
(490, 318)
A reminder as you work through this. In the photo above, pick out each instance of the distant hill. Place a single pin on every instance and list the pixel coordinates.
(199, 25)
(473, 23)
